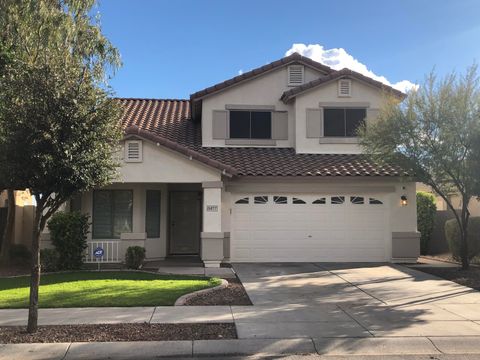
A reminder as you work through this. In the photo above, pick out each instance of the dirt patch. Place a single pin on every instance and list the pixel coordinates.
(233, 294)
(470, 278)
(118, 332)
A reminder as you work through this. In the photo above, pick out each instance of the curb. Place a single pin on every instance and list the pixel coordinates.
(184, 298)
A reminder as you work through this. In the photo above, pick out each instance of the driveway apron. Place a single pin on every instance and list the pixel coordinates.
(333, 300)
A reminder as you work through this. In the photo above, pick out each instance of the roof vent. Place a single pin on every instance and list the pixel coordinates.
(344, 88)
(295, 75)
(133, 151)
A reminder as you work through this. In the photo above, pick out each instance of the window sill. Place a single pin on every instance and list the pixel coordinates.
(264, 142)
(339, 140)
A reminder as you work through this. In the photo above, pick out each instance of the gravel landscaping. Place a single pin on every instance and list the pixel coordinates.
(233, 294)
(470, 278)
(118, 332)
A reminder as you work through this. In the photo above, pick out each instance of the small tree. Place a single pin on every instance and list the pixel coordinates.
(435, 136)
(59, 128)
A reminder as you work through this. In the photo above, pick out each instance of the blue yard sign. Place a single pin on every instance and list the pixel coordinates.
(98, 252)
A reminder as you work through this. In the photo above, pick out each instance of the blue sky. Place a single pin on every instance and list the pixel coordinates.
(171, 49)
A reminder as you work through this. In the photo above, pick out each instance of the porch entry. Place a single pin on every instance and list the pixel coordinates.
(185, 222)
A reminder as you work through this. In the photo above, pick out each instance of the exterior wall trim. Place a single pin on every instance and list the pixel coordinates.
(339, 140)
(265, 142)
(249, 107)
(212, 235)
(344, 104)
(212, 185)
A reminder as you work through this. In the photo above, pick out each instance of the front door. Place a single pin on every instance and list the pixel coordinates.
(185, 219)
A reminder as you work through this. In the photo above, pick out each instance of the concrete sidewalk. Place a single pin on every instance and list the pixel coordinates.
(259, 347)
(118, 315)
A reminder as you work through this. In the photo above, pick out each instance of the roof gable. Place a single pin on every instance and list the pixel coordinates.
(295, 58)
(341, 74)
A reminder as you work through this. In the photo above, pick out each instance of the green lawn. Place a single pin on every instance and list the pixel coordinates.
(110, 288)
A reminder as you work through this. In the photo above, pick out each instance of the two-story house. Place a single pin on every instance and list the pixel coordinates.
(264, 167)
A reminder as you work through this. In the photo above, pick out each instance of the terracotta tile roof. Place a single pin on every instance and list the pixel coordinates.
(168, 123)
(344, 73)
(294, 58)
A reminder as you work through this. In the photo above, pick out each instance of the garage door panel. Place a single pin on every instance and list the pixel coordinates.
(309, 232)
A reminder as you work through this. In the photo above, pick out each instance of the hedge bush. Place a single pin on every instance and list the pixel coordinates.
(134, 257)
(426, 210)
(68, 232)
(19, 254)
(49, 260)
(452, 233)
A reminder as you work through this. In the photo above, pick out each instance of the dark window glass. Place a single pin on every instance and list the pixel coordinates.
(242, 201)
(261, 122)
(358, 200)
(112, 213)
(250, 124)
(280, 199)
(342, 122)
(337, 200)
(239, 124)
(354, 118)
(320, 201)
(334, 122)
(260, 200)
(298, 201)
(374, 201)
(152, 214)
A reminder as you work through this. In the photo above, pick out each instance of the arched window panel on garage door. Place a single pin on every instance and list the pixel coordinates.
(260, 200)
(298, 201)
(337, 200)
(320, 201)
(373, 201)
(244, 200)
(357, 200)
(280, 199)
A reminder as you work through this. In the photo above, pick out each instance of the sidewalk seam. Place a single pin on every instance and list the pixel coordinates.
(435, 346)
(356, 321)
(151, 316)
(66, 351)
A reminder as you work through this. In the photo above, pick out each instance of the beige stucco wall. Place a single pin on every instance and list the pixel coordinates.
(361, 93)
(161, 165)
(263, 90)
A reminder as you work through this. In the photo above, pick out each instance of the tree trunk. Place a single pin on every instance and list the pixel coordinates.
(464, 251)
(9, 227)
(35, 272)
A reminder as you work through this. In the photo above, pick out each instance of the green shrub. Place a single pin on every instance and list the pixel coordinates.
(68, 232)
(426, 210)
(49, 260)
(134, 257)
(452, 233)
(19, 253)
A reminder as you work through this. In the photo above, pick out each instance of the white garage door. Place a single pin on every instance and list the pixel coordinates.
(289, 228)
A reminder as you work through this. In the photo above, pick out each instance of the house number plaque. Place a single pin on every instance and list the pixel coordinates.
(212, 208)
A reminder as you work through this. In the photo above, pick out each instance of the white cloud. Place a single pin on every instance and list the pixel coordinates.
(240, 72)
(338, 58)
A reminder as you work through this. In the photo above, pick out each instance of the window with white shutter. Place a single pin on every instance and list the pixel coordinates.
(344, 88)
(133, 151)
(295, 75)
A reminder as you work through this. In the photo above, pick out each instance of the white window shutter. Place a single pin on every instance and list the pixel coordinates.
(133, 151)
(344, 88)
(295, 75)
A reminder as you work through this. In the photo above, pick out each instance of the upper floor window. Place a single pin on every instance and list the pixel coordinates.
(342, 122)
(250, 124)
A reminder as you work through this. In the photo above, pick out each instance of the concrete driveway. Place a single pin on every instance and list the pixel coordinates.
(327, 300)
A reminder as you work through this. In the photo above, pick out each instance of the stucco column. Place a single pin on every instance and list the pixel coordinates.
(212, 235)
